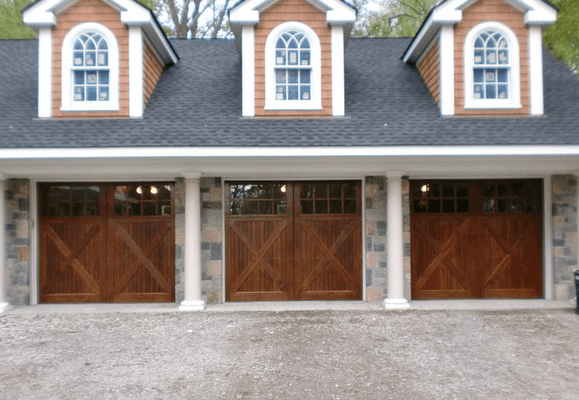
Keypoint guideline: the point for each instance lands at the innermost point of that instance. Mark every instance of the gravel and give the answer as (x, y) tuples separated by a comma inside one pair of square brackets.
[(291, 355)]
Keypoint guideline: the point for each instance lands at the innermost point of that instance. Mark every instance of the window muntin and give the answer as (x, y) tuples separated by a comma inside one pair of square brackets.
[(293, 67), (491, 66), (265, 198), (90, 68)]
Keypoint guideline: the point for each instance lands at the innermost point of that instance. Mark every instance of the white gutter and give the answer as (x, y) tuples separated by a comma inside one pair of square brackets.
[(285, 152)]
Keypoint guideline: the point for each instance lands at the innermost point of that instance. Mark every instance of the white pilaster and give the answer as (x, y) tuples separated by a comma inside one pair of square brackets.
[(45, 72), (4, 306), (192, 277), (447, 70), (136, 81), (536, 66), (395, 241), (548, 238), (338, 102), (248, 71)]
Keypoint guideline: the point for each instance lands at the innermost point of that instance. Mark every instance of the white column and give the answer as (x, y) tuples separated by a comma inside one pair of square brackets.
[(447, 70), (4, 306), (248, 71), (536, 67), (395, 241), (193, 300), (136, 81), (338, 102)]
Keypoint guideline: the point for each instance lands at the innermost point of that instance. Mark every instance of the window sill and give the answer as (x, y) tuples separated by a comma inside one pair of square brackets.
[(492, 105), (293, 106), (86, 107)]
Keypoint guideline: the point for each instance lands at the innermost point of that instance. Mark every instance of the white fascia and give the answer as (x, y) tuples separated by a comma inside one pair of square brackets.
[(273, 152), (247, 13)]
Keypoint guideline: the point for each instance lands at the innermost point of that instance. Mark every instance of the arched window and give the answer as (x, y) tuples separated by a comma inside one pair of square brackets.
[(90, 69), (292, 67), (492, 78), (293, 77)]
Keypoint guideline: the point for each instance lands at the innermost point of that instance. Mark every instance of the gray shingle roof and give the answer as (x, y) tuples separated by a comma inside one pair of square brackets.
[(198, 103)]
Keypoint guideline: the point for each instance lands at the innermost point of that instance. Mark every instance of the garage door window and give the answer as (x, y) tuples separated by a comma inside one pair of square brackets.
[(513, 198), (142, 200), (71, 201), (269, 198), (441, 198), (328, 198)]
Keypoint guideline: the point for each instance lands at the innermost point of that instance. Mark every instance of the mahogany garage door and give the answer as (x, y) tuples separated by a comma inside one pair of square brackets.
[(476, 239), (106, 242), (293, 241)]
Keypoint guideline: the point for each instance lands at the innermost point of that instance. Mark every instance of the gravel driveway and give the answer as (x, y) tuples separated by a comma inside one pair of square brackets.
[(291, 355)]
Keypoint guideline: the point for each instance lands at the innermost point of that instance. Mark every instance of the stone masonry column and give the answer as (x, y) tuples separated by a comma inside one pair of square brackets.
[(395, 242), (192, 276), (4, 306)]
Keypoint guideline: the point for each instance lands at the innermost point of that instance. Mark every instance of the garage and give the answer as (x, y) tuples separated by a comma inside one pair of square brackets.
[(476, 239), (106, 242), (293, 241)]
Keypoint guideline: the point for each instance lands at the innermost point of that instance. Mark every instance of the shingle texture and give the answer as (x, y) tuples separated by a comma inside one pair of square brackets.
[(198, 103)]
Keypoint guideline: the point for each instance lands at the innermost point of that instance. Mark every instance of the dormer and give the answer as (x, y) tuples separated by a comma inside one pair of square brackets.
[(97, 58), (292, 56), (483, 57)]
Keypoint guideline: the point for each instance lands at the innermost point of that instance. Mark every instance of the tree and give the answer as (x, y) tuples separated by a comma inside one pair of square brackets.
[(195, 18), (11, 25), (562, 38), (400, 18)]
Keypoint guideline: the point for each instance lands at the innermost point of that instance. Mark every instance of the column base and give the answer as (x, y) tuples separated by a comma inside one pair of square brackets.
[(4, 307), (396, 304), (192, 305)]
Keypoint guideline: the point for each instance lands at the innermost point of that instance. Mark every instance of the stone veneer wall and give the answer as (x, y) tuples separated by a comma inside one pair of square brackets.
[(17, 214), (564, 201), (212, 240), (375, 191), (179, 200)]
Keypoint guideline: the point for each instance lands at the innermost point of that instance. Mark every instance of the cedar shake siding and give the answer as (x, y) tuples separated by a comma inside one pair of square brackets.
[(483, 11), (98, 12), (284, 11), (152, 72), (429, 68)]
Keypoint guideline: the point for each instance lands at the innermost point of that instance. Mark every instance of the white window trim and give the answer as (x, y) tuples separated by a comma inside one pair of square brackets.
[(315, 103), (68, 104), (514, 100)]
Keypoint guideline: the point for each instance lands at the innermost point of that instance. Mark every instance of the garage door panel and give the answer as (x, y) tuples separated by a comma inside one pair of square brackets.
[(70, 262), (318, 255), (88, 253), (259, 258), (488, 245)]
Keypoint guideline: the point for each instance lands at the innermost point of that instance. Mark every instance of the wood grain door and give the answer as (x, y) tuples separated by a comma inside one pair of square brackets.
[(102, 242), (293, 241), (476, 239), (328, 261)]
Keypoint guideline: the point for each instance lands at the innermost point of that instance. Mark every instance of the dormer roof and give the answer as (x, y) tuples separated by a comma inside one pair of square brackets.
[(44, 13), (449, 12)]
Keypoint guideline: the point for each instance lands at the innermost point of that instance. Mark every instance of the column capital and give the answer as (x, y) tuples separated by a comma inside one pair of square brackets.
[(191, 175), (394, 174), (3, 176)]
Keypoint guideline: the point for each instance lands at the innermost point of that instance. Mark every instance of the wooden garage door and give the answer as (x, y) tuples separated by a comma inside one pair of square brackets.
[(105, 242), (293, 241), (476, 239)]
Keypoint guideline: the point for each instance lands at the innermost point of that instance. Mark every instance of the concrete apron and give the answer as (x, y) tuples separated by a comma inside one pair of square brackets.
[(424, 305)]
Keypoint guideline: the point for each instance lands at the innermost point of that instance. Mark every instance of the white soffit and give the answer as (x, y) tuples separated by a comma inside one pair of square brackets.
[(536, 12)]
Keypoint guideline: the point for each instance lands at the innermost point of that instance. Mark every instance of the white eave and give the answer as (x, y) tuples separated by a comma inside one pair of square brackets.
[(45, 13), (337, 13), (536, 12)]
